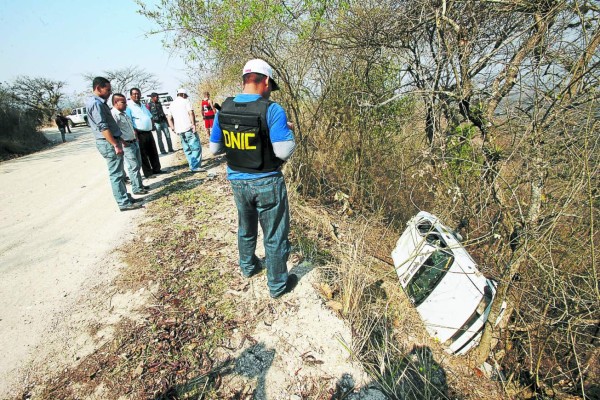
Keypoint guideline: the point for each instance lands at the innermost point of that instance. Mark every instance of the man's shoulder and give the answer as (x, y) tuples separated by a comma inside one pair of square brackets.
[(91, 101), (175, 103), (180, 103), (274, 109), (274, 104)]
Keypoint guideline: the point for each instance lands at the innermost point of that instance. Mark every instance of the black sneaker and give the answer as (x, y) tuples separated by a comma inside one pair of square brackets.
[(131, 206), (145, 187), (290, 285), (143, 191)]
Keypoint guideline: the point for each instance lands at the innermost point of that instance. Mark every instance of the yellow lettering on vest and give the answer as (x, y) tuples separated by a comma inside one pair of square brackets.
[(235, 140), (247, 137), (239, 140)]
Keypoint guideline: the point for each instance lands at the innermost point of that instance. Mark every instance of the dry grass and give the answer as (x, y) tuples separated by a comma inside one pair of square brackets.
[(389, 338)]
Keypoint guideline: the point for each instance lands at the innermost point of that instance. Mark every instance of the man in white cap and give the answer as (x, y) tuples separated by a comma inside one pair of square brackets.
[(182, 121), (257, 139)]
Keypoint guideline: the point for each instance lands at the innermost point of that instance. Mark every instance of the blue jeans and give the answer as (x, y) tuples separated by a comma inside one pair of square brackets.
[(133, 157), (263, 200), (163, 127), (192, 148), (116, 172)]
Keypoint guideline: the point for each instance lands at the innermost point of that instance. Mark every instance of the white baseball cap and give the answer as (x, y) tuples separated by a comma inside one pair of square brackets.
[(260, 67), (181, 91)]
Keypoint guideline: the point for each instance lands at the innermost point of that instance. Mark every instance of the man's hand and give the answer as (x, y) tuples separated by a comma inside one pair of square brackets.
[(118, 149), (290, 125)]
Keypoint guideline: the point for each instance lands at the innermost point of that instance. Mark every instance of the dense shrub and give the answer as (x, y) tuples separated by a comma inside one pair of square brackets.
[(19, 128)]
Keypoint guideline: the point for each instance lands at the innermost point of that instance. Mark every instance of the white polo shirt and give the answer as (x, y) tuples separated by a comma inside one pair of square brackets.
[(180, 109)]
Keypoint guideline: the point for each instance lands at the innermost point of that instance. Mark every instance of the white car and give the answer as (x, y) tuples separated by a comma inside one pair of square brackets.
[(78, 116), (441, 279)]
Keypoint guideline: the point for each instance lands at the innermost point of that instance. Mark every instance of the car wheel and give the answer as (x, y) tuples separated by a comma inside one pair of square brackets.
[(87, 123)]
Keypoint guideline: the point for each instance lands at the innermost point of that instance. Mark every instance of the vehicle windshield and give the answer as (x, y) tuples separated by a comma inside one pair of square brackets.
[(429, 275)]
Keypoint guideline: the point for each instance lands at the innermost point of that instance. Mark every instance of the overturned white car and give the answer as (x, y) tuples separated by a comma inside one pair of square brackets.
[(441, 279)]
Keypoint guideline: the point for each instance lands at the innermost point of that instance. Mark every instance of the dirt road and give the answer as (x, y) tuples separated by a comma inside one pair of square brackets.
[(59, 226)]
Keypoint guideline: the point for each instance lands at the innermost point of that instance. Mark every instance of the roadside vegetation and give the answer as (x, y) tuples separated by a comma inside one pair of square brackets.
[(484, 113), (19, 127)]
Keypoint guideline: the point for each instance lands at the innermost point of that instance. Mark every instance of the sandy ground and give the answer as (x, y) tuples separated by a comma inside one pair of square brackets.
[(59, 228)]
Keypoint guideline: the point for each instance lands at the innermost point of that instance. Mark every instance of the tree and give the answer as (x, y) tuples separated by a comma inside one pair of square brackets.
[(510, 91), (19, 125), (122, 80), (41, 94)]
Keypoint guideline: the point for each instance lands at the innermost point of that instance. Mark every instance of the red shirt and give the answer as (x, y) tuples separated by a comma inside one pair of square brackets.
[(207, 111)]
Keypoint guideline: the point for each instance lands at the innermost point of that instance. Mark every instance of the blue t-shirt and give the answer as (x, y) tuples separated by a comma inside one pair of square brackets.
[(278, 132)]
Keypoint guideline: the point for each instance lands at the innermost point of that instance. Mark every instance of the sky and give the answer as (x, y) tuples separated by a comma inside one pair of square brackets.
[(62, 39)]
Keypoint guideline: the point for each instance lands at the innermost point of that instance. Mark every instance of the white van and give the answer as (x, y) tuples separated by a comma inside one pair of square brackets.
[(78, 116), (443, 282)]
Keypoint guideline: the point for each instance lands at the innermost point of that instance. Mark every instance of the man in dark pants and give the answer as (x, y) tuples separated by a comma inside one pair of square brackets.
[(257, 139), (160, 123), (66, 121), (142, 124), (61, 124)]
